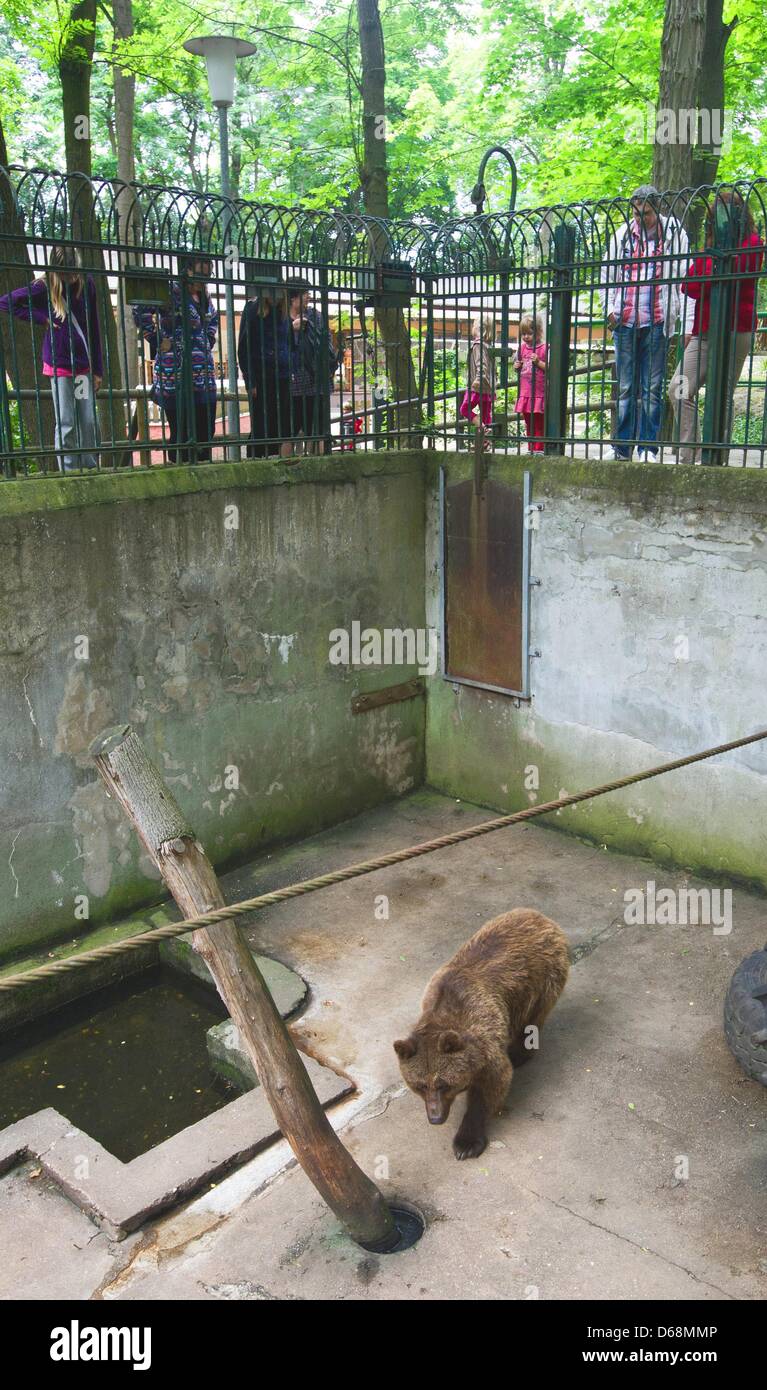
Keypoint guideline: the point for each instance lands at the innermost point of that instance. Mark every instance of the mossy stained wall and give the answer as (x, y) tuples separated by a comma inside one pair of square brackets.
[(195, 604), (651, 622)]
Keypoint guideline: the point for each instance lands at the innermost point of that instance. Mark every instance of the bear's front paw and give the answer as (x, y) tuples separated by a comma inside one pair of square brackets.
[(469, 1145)]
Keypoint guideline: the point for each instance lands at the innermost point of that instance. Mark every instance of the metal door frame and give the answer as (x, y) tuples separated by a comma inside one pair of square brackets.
[(524, 693)]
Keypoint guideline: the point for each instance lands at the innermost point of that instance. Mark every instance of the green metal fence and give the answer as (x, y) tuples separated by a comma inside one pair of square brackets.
[(600, 329)]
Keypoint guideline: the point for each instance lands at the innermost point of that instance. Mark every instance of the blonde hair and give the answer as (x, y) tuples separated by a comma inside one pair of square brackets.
[(63, 260), (531, 323), (484, 327)]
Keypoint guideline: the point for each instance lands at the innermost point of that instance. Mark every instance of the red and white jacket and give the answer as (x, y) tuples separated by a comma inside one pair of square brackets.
[(619, 283)]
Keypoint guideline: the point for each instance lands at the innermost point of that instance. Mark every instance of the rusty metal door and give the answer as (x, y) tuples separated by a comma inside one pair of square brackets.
[(485, 575)]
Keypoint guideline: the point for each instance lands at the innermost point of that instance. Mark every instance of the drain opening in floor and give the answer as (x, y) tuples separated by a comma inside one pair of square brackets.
[(129, 1065)]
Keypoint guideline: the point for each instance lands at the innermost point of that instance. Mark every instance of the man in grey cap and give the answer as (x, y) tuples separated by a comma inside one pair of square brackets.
[(645, 262)]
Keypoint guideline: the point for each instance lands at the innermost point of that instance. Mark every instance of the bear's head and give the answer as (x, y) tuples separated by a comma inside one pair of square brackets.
[(438, 1066)]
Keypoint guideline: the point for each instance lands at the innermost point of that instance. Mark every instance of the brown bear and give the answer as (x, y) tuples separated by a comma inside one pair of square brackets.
[(474, 1014)]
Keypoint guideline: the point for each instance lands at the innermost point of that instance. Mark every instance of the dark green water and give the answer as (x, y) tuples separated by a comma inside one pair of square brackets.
[(129, 1065)]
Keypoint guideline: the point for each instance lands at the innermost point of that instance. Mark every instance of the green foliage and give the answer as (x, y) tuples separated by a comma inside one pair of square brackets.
[(563, 83)]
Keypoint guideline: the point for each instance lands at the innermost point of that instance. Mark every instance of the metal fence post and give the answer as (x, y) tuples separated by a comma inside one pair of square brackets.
[(428, 361), (324, 375), (503, 376), (558, 370), (230, 407), (6, 428), (185, 414)]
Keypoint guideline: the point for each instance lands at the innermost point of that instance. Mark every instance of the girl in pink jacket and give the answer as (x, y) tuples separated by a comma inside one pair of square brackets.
[(530, 362)]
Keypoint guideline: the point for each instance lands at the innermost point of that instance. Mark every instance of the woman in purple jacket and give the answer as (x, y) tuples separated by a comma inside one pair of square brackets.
[(64, 299)]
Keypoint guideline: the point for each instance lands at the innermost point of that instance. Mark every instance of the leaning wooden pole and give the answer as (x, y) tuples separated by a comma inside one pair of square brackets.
[(135, 782)]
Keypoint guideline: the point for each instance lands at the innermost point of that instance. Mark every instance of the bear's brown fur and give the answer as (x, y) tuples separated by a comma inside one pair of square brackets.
[(474, 1013)]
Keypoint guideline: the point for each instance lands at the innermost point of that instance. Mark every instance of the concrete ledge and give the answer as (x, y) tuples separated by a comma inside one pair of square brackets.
[(53, 992), (119, 1197), (26, 496), (644, 484)]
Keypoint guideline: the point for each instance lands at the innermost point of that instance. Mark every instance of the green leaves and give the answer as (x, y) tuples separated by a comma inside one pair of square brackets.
[(563, 84)]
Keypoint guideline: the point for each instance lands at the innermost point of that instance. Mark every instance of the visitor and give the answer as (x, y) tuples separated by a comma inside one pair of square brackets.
[(691, 373), (264, 353), (530, 361), (481, 375), (314, 365), (351, 425), (187, 324), (64, 299), (641, 300)]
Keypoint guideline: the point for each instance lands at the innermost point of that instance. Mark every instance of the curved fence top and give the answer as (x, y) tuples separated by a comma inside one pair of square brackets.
[(52, 206)]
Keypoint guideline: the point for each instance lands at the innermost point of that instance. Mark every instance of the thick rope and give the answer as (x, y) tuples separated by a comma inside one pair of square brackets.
[(368, 866)]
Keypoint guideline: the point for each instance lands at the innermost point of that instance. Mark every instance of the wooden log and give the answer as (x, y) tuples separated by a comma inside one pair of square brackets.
[(132, 778)]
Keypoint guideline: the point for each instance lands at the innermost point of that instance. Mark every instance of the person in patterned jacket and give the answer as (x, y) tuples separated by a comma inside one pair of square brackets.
[(169, 338)]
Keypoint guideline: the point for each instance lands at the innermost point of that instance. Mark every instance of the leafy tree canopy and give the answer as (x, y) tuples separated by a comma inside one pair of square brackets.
[(564, 84)]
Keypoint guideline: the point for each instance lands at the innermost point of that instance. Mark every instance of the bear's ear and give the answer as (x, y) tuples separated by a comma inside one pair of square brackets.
[(405, 1047), (450, 1041)]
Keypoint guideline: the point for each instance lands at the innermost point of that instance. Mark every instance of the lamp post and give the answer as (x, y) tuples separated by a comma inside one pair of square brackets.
[(221, 53)]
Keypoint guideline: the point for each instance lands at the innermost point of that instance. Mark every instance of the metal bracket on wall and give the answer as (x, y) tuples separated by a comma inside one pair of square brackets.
[(389, 695)]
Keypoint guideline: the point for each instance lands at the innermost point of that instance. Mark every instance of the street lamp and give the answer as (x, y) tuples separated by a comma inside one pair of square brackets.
[(221, 53)]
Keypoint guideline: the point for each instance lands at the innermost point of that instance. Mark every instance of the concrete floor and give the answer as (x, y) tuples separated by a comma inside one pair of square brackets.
[(576, 1196)]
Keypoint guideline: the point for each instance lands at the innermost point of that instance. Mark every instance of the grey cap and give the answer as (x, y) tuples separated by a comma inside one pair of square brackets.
[(646, 193)]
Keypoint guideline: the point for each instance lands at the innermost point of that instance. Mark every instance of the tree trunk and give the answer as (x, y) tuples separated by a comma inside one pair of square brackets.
[(127, 212), (691, 95), (75, 66), (374, 181), (712, 90), (21, 343), (192, 155)]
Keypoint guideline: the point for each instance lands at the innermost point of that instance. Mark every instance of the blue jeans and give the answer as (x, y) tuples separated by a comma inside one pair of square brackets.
[(640, 366)]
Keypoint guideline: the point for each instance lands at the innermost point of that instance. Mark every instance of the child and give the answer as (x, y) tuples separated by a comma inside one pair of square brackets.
[(481, 365), (530, 362), (351, 426), (168, 337), (64, 299)]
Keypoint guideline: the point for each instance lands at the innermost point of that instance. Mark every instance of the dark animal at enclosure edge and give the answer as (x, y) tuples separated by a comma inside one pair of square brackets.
[(503, 981)]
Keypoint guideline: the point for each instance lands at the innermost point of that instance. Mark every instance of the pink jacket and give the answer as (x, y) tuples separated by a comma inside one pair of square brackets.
[(532, 380)]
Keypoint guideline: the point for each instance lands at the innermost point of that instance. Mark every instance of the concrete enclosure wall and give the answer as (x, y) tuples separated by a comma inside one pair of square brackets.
[(195, 604), (651, 621)]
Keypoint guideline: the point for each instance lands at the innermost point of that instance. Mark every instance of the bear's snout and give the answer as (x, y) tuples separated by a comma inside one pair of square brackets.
[(437, 1110)]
